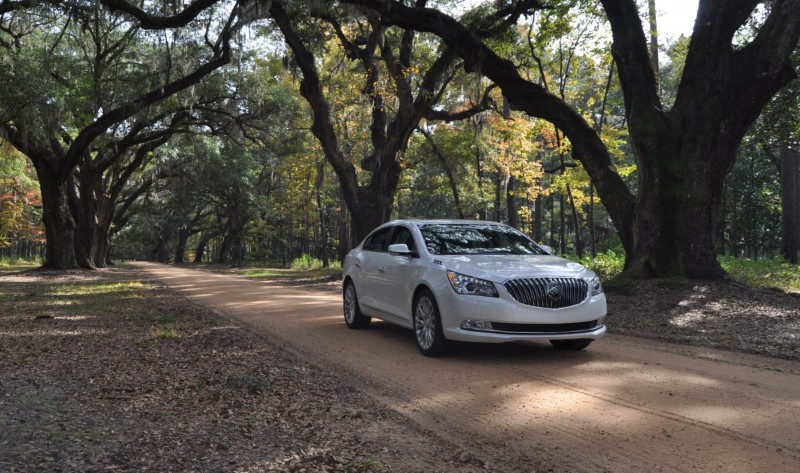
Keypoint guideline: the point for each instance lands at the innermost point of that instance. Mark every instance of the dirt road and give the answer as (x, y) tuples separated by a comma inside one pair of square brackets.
[(623, 405)]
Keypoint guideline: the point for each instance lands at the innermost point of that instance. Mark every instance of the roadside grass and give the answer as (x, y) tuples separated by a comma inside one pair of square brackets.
[(290, 274), (764, 273), (761, 273), (15, 265), (274, 272), (76, 304)]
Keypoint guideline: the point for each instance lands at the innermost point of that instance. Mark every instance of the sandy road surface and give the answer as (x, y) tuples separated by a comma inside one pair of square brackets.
[(623, 405)]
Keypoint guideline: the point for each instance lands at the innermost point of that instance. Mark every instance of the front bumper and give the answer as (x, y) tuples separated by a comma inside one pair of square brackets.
[(513, 321)]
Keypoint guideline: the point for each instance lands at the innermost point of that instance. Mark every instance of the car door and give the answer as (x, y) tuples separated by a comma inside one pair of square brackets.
[(372, 263), (398, 276)]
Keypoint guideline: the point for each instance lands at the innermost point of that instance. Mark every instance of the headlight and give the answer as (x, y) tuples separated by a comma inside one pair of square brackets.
[(597, 288), (468, 285)]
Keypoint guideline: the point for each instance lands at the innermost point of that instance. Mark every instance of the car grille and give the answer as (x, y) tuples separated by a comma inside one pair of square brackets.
[(545, 328), (550, 293)]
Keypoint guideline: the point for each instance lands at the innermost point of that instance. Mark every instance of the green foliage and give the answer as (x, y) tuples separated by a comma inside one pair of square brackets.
[(19, 263), (762, 272), (165, 333), (306, 262), (20, 203), (334, 270), (606, 265), (364, 465)]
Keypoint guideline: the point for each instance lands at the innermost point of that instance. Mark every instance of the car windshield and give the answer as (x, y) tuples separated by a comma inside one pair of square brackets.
[(476, 239)]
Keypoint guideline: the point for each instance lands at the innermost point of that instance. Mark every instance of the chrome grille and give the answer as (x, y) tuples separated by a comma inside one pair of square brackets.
[(550, 293)]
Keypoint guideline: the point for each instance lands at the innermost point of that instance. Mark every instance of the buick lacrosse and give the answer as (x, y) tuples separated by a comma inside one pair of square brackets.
[(471, 281)]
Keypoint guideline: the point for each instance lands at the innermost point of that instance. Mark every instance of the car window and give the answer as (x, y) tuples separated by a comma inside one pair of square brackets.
[(478, 238), (379, 240), (403, 235)]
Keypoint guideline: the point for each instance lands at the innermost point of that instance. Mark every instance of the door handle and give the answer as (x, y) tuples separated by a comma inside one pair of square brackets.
[(382, 269)]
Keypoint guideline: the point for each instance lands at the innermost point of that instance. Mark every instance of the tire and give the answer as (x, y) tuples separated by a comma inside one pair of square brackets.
[(571, 345), (428, 326), (352, 312)]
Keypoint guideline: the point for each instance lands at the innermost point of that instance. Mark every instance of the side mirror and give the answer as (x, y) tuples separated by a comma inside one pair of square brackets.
[(401, 249), (546, 248)]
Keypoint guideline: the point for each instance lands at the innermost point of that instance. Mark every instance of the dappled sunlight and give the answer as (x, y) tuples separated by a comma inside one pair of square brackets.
[(639, 403), (88, 289), (52, 332), (220, 328), (549, 413), (689, 318), (72, 317)]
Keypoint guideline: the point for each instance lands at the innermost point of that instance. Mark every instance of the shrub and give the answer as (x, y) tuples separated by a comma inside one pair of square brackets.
[(606, 265), (306, 263)]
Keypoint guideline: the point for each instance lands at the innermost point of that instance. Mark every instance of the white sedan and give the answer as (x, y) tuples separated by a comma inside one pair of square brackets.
[(471, 281)]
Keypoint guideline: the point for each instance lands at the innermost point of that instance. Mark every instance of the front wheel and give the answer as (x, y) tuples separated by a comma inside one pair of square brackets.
[(428, 326), (571, 345), (352, 312)]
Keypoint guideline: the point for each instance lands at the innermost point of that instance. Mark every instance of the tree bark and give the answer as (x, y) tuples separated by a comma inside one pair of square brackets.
[(652, 17), (59, 223), (789, 162), (576, 224), (511, 202), (538, 212)]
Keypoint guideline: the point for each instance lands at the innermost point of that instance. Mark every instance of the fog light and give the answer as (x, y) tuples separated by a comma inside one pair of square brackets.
[(476, 325)]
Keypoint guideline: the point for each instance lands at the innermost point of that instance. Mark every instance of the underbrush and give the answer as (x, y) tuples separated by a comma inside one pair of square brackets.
[(18, 263), (773, 273), (606, 265), (763, 273)]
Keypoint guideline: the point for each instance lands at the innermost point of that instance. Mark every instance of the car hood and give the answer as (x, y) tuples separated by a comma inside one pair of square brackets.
[(499, 268)]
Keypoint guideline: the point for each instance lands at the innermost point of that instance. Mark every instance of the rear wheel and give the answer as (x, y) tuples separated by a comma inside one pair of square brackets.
[(571, 345), (352, 312), (428, 326)]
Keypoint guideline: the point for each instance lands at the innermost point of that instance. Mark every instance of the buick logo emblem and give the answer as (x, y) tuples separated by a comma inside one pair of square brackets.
[(553, 290)]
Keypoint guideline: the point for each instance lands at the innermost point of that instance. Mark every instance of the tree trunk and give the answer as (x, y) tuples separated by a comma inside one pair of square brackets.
[(576, 224), (677, 217), (344, 233), (448, 170), (86, 232), (375, 202), (511, 202), (59, 223), (184, 232), (224, 250), (789, 162), (538, 218), (592, 230), (652, 15)]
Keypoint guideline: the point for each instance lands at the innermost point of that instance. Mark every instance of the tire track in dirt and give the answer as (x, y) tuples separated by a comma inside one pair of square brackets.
[(623, 405)]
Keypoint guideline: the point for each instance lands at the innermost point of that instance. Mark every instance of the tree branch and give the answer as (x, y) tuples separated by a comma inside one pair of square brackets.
[(155, 22), (533, 99)]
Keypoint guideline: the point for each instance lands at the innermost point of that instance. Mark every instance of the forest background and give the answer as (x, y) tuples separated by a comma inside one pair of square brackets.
[(271, 132)]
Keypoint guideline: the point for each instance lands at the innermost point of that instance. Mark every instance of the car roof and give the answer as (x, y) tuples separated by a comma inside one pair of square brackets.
[(419, 221)]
